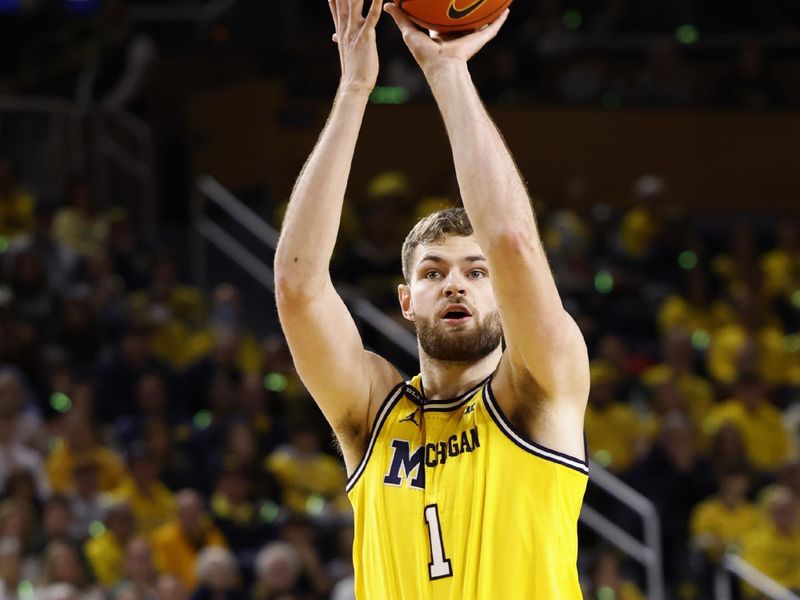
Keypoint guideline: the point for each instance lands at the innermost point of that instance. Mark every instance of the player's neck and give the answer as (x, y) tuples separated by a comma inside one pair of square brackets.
[(443, 379)]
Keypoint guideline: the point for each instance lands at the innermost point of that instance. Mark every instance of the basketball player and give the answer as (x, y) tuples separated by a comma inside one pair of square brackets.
[(467, 480)]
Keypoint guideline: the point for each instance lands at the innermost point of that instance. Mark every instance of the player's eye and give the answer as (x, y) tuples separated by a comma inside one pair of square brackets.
[(477, 274), (432, 274)]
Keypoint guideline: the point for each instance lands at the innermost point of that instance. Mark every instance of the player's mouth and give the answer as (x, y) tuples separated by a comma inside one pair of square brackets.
[(455, 314)]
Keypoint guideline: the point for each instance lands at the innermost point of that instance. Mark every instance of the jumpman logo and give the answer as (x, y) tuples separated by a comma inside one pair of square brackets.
[(412, 417)]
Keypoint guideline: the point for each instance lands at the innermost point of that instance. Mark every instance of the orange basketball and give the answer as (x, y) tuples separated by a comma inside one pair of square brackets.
[(453, 15)]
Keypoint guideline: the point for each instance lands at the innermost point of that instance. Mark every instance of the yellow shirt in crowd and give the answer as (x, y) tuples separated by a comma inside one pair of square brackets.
[(151, 509), (774, 554), (174, 553), (727, 526), (302, 478), (613, 434), (765, 438), (106, 557), (16, 214), (62, 459)]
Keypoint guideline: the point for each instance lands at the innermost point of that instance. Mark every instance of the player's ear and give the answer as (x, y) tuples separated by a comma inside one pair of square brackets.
[(404, 295)]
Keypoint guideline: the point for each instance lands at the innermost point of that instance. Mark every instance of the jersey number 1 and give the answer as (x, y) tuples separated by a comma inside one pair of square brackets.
[(440, 565)]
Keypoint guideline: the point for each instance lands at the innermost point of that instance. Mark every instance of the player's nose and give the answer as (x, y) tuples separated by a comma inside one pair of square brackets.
[(455, 284)]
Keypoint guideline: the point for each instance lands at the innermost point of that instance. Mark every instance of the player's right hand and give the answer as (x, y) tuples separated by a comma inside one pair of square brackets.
[(355, 38)]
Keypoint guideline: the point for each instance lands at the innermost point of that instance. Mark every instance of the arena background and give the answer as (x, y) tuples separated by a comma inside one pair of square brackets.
[(154, 440)]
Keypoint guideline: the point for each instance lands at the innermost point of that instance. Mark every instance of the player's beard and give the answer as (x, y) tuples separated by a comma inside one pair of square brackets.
[(467, 345)]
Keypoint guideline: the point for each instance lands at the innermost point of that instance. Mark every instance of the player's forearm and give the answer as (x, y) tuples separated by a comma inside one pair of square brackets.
[(492, 188), (312, 219)]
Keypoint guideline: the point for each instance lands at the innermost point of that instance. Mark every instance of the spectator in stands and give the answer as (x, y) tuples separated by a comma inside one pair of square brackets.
[(256, 407), (18, 521), (721, 521), (15, 455), (278, 568), (641, 227), (16, 398), (218, 576), (788, 477), (80, 443), (312, 481), (774, 548), (781, 264), (10, 567), (243, 449), (752, 85), (677, 367), (85, 496), (118, 374), (16, 204), (154, 402), (608, 581), (341, 566), (108, 292), (614, 431), (299, 532), (170, 588), (693, 307), (674, 478), (183, 302), (178, 543), (150, 501), (57, 523), (226, 315), (139, 572), (129, 258), (759, 422), (753, 342), (80, 225), (210, 382), (60, 262), (62, 566), (76, 333), (106, 552), (34, 297), (235, 510)]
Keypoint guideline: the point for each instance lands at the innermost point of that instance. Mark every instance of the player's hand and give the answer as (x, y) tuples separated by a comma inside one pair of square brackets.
[(355, 37), (432, 50)]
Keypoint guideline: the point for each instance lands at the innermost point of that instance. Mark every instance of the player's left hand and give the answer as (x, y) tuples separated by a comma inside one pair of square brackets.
[(433, 50), (355, 38)]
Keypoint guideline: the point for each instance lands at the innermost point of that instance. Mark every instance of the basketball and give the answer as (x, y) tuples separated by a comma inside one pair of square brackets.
[(453, 15)]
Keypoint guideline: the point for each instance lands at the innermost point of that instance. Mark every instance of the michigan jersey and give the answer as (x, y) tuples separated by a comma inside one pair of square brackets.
[(451, 502)]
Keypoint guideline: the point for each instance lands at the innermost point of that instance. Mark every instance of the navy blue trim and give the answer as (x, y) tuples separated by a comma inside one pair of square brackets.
[(384, 411), (418, 397), (527, 444)]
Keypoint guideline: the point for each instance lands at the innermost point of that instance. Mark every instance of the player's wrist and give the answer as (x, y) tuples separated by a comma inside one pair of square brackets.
[(355, 88), (445, 70)]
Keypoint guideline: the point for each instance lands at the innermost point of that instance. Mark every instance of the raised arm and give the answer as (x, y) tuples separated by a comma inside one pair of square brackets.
[(544, 345), (344, 379)]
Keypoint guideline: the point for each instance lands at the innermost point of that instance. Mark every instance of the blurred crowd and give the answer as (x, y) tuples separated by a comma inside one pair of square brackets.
[(151, 446)]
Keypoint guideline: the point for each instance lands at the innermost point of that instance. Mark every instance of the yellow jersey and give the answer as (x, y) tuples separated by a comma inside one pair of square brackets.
[(451, 502)]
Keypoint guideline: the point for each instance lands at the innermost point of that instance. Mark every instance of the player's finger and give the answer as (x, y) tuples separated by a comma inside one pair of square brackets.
[(374, 13), (345, 13), (334, 12), (492, 28), (400, 17)]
